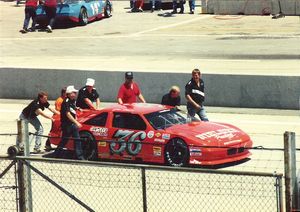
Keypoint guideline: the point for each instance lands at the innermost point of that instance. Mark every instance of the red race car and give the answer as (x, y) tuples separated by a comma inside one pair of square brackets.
[(153, 133)]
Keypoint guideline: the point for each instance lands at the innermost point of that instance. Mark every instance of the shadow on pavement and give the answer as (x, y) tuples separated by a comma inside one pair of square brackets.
[(166, 15)]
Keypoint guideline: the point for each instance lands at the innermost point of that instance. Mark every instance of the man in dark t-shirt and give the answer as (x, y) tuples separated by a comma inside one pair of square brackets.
[(30, 113), (172, 98), (194, 92), (87, 95), (69, 125)]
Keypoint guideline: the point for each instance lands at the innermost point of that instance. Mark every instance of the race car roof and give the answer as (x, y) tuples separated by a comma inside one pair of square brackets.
[(141, 108)]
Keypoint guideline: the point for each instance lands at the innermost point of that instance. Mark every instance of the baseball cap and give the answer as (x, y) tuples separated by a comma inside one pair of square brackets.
[(71, 89), (90, 82), (129, 75)]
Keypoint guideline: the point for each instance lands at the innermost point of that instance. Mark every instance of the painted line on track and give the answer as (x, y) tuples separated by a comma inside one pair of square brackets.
[(138, 34), (170, 25)]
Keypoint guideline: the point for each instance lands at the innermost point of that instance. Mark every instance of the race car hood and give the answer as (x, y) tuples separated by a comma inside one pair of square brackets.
[(210, 133)]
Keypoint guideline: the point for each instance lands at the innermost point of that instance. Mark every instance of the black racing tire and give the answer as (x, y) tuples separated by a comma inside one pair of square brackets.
[(89, 145), (108, 10), (176, 153), (83, 17)]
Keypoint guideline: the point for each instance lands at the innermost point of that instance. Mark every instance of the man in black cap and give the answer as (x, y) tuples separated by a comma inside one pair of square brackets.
[(129, 90)]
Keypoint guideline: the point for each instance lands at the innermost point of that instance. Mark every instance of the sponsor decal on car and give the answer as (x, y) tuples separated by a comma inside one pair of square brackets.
[(102, 144), (157, 151), (218, 134), (150, 134), (157, 135), (159, 140), (166, 136), (99, 131), (195, 151), (194, 161)]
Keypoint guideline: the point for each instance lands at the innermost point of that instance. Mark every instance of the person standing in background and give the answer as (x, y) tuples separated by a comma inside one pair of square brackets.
[(129, 91), (30, 12), (87, 95), (194, 92)]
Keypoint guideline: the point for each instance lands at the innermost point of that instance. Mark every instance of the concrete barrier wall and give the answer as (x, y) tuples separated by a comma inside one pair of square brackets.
[(251, 7), (282, 92)]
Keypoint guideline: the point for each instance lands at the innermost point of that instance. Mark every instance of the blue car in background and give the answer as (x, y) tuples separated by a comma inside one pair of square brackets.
[(79, 11)]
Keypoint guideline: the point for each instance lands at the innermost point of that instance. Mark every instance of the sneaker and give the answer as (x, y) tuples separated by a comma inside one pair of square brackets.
[(48, 148), (192, 12), (23, 31), (36, 151), (181, 12), (174, 12), (49, 29), (31, 29), (81, 158)]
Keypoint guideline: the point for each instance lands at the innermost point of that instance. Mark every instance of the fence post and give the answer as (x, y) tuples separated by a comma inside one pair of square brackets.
[(144, 188), (290, 171), (278, 185), (21, 186), (24, 174)]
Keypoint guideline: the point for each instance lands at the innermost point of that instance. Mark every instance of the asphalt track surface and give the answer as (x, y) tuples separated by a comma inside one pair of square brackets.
[(156, 42), (265, 127)]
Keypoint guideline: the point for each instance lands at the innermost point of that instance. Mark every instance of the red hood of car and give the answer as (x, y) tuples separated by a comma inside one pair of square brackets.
[(210, 133)]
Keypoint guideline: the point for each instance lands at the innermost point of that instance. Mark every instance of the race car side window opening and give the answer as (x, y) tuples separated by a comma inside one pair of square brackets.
[(164, 119), (128, 121), (99, 120)]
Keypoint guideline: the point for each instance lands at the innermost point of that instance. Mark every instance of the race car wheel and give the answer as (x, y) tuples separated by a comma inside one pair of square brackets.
[(89, 145), (107, 10), (83, 17), (176, 153)]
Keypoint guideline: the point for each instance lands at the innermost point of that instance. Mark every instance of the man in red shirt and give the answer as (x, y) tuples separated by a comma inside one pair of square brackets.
[(30, 12), (50, 9), (129, 90)]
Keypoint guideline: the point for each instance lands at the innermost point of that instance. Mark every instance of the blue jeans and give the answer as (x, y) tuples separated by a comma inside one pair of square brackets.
[(29, 13), (201, 113), (179, 4), (70, 131), (192, 5), (158, 4), (35, 122)]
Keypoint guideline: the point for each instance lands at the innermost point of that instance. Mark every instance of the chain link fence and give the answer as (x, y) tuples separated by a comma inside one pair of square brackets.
[(8, 185), (59, 184), (56, 185)]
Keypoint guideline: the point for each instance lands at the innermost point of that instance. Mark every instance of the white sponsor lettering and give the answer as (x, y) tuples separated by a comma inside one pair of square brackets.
[(194, 161), (218, 134), (159, 140), (99, 131)]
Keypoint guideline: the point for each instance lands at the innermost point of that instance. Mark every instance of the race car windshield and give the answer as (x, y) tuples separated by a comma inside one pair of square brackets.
[(166, 118)]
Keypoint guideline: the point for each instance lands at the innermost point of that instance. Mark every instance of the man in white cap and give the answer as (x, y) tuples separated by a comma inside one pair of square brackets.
[(87, 95), (69, 125)]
